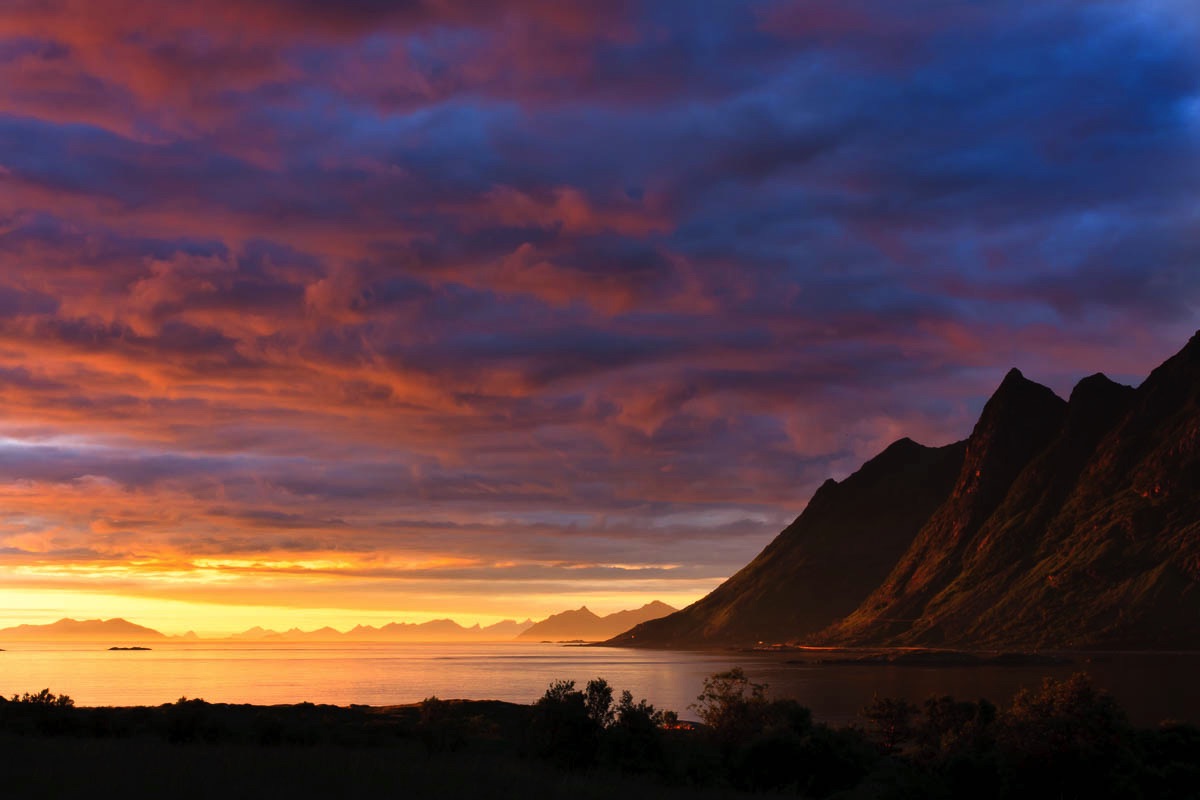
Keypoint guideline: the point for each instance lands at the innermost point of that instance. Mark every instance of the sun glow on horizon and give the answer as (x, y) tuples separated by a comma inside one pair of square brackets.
[(175, 617)]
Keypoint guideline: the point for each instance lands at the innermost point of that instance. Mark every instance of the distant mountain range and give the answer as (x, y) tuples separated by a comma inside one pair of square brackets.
[(569, 625), (438, 630), (1056, 524), (584, 625)]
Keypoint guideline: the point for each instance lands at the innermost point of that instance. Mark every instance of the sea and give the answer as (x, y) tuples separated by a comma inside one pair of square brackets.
[(1152, 687)]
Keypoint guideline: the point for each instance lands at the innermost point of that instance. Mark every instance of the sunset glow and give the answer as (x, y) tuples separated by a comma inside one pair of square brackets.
[(338, 313)]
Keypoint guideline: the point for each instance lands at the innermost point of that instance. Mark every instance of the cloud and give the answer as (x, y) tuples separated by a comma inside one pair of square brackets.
[(548, 287)]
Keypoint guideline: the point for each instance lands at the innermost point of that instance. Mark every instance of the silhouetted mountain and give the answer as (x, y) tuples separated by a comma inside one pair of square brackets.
[(582, 624), (77, 630), (966, 609), (254, 634), (1017, 422), (1117, 563), (826, 562), (506, 629), (1069, 524), (438, 630)]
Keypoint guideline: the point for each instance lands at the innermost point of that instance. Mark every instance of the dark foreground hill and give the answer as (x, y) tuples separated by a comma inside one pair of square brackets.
[(1054, 525)]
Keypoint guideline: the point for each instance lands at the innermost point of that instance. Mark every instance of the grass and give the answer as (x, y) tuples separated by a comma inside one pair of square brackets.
[(63, 767)]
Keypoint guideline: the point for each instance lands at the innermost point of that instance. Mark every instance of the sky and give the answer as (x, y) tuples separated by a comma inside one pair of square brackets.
[(335, 313)]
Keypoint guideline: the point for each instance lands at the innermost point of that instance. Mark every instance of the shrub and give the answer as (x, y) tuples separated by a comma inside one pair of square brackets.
[(561, 728), (890, 722), (44, 698), (633, 742), (192, 720), (731, 704), (1068, 739), (597, 698), (440, 729), (43, 713), (831, 760)]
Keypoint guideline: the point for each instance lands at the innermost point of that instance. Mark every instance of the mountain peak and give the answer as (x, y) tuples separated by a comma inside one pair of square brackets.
[(1097, 382), (1015, 383), (1020, 404), (653, 604), (587, 625), (902, 448), (1178, 376), (1054, 525), (68, 629), (1096, 394)]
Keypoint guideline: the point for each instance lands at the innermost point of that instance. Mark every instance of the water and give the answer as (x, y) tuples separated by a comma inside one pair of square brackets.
[(1152, 687)]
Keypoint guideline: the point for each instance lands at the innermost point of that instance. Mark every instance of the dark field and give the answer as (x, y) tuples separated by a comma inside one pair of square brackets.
[(1067, 740), (38, 767)]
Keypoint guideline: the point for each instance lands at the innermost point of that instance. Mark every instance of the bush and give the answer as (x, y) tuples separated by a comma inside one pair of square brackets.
[(731, 705), (831, 760), (890, 722), (633, 741), (1068, 740), (598, 699), (440, 729), (581, 728), (773, 744), (44, 713), (194, 720), (45, 698), (561, 728), (1171, 755)]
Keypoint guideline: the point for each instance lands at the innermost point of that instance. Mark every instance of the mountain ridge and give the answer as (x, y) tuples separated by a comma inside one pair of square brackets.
[(582, 624), (438, 630), (68, 629), (1070, 524), (788, 585)]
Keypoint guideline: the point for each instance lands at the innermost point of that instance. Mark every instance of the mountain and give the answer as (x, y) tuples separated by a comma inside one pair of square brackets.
[(582, 624), (254, 634), (1064, 524), (438, 630), (961, 604), (826, 562), (75, 630), (1019, 420), (506, 630)]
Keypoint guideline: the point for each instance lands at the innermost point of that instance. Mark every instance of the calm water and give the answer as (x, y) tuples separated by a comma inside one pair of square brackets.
[(1151, 686)]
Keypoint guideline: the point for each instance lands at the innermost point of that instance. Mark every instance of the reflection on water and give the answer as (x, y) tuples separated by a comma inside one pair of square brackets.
[(1151, 686)]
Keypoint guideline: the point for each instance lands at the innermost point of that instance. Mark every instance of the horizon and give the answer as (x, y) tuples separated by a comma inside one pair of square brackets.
[(288, 620), (281, 629), (320, 315)]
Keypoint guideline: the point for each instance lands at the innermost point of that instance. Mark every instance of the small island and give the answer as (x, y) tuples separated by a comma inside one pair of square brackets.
[(128, 648)]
